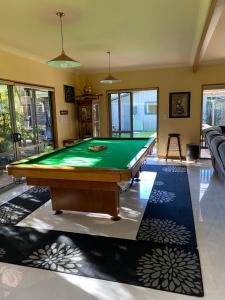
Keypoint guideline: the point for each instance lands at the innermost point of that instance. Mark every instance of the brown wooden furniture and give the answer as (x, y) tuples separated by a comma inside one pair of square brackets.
[(177, 136), (89, 115), (80, 188)]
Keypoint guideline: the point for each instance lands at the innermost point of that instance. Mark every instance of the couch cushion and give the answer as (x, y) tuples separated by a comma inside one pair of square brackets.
[(215, 143), (205, 131), (221, 150), (218, 128), (210, 135)]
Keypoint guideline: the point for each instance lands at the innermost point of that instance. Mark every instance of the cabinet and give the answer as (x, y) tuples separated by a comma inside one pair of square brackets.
[(89, 115)]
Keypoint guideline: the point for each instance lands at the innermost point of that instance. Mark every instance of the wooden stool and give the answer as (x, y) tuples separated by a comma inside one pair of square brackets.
[(177, 136)]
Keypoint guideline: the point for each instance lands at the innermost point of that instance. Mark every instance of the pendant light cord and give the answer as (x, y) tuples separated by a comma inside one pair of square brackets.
[(109, 62), (61, 32), (60, 15)]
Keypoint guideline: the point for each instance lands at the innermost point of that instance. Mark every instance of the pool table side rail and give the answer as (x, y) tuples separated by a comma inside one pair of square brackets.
[(81, 173), (71, 173), (49, 153)]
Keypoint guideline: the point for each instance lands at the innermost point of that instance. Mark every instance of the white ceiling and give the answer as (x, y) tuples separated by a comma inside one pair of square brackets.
[(139, 33)]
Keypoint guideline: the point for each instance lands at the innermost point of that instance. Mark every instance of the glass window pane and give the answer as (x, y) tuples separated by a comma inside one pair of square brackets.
[(44, 120), (213, 108), (5, 121), (6, 144), (145, 113), (115, 111), (25, 121), (125, 111)]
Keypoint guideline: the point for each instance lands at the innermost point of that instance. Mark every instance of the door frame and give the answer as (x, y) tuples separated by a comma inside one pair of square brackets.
[(211, 86), (131, 90), (119, 112)]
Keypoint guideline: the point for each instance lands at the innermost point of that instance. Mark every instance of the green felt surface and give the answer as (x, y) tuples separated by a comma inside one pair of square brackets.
[(117, 155)]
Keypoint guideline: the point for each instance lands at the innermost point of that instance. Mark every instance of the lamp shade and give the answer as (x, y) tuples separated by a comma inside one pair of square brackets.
[(63, 61), (110, 79)]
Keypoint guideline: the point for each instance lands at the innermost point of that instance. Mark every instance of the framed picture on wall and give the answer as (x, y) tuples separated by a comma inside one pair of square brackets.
[(179, 105), (69, 92)]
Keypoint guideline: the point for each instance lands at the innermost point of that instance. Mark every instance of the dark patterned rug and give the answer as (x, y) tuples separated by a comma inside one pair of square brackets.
[(168, 268), (18, 208), (168, 216), (152, 261)]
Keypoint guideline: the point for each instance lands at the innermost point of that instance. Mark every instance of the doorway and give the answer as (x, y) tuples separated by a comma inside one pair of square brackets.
[(133, 113), (213, 111)]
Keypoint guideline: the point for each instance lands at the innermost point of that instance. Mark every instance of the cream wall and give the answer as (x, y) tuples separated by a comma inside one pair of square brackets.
[(16, 68), (167, 80)]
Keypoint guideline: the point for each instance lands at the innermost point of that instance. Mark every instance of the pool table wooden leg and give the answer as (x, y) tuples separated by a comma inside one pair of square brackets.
[(115, 218), (136, 177)]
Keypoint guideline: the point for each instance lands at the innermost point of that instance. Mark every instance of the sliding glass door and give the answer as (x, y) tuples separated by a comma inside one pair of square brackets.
[(33, 116), (44, 122), (133, 113), (121, 114), (145, 113), (7, 153), (25, 119), (25, 125)]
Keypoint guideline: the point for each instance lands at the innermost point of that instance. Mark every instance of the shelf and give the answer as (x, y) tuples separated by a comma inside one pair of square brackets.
[(88, 114), (88, 97)]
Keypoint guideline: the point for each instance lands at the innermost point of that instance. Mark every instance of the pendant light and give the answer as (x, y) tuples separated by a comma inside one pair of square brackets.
[(110, 78), (63, 60)]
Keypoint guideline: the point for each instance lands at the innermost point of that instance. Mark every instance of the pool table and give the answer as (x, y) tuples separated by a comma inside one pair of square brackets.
[(85, 180)]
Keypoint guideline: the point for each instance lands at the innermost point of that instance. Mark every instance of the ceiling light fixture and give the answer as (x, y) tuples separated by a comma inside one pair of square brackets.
[(110, 78), (63, 60)]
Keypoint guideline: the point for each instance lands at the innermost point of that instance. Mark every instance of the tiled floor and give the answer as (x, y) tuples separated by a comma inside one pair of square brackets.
[(208, 198), (205, 153), (5, 179)]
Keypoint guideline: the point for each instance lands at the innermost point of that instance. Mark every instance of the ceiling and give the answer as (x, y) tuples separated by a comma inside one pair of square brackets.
[(215, 52), (140, 34)]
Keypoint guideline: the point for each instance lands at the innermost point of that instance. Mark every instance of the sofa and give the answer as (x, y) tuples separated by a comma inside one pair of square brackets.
[(215, 140)]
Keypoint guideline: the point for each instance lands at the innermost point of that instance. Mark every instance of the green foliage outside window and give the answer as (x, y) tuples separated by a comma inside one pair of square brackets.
[(5, 123)]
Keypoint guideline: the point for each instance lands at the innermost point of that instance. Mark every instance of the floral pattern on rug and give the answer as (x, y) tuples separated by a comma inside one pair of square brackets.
[(172, 270), (158, 183), (39, 189), (12, 214), (174, 169), (163, 231), (161, 196), (56, 257)]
